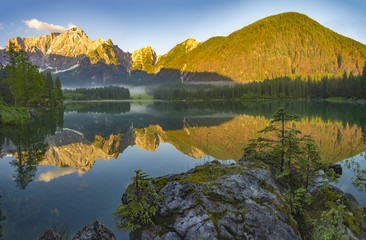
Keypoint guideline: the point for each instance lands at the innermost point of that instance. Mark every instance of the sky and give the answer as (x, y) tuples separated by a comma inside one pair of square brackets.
[(161, 24)]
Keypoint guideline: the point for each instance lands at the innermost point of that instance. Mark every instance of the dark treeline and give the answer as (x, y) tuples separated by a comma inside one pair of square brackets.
[(110, 92), (349, 86), (21, 83)]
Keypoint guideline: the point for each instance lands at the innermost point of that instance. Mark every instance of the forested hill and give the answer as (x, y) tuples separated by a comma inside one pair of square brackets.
[(287, 44)]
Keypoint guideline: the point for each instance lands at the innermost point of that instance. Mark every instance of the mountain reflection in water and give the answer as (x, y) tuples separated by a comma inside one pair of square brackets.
[(54, 158), (103, 130)]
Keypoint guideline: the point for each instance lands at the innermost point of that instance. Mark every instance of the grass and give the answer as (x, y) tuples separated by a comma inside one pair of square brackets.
[(13, 115), (141, 97), (335, 100)]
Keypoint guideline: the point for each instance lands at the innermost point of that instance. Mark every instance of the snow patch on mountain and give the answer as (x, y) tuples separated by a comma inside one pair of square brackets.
[(65, 70)]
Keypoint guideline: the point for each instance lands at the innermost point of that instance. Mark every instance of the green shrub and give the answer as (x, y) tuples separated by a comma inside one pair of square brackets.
[(141, 206)]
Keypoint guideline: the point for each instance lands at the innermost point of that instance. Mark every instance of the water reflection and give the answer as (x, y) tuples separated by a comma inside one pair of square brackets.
[(27, 143), (81, 157), (356, 168), (353, 179), (99, 107), (50, 175), (219, 129), (30, 149), (103, 130)]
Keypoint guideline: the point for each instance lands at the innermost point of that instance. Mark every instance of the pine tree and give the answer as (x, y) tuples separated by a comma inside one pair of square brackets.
[(59, 95), (292, 152), (141, 206), (278, 130), (25, 82), (48, 88), (311, 163)]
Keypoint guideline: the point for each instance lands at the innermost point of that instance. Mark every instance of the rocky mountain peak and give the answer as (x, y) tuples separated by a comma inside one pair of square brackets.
[(72, 52), (71, 43), (76, 30), (143, 59), (109, 42)]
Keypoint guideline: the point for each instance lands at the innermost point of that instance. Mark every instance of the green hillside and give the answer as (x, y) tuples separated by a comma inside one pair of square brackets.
[(287, 44), (176, 57)]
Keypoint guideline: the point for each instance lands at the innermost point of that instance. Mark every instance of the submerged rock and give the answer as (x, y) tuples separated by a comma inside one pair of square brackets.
[(215, 201), (50, 234), (95, 231)]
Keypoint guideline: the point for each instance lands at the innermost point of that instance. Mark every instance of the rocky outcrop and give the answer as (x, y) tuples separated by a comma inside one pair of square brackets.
[(240, 201), (216, 201), (354, 216)]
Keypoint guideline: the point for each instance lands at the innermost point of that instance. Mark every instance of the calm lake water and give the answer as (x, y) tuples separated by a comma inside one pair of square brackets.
[(71, 165)]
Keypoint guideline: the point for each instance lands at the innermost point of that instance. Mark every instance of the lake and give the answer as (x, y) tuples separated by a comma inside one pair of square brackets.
[(70, 166)]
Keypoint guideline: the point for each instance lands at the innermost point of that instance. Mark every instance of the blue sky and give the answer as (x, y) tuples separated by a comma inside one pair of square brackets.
[(133, 24)]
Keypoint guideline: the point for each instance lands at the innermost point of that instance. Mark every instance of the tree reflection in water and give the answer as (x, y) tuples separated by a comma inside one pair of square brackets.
[(29, 143), (358, 167), (30, 150)]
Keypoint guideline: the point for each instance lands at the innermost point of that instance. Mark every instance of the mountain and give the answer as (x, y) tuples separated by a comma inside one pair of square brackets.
[(178, 53), (74, 57), (287, 44), (143, 59), (290, 44)]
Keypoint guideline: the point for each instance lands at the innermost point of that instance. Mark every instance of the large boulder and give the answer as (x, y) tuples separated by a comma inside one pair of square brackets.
[(216, 201)]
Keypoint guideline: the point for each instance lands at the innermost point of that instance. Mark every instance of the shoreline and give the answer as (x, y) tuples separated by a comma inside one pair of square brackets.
[(348, 101)]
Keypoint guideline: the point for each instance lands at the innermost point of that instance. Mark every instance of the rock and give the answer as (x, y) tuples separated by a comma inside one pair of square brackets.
[(176, 197), (336, 167), (124, 198), (351, 208), (194, 223), (50, 234), (32, 113), (154, 233), (95, 231), (346, 198), (216, 201)]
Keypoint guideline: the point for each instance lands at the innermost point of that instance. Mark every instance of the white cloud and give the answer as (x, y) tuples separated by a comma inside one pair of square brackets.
[(1, 48), (1, 26), (36, 24)]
